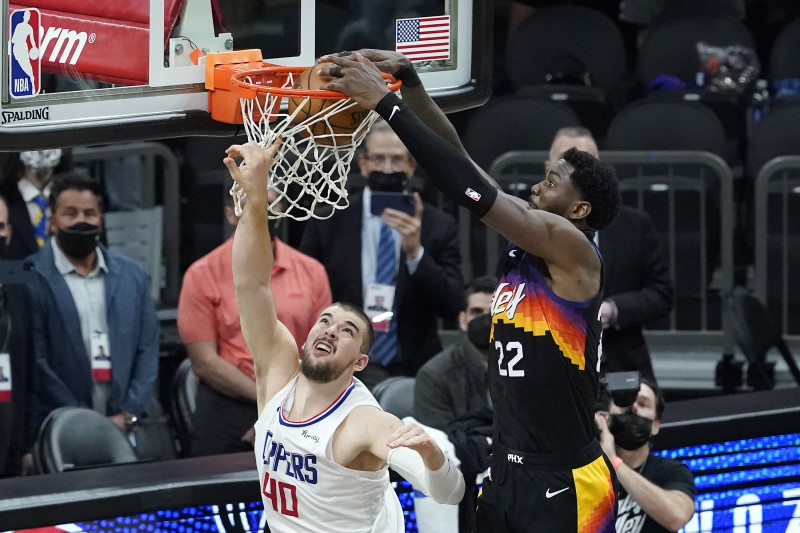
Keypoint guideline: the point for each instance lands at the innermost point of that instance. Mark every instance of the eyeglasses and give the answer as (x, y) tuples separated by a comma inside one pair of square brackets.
[(382, 159)]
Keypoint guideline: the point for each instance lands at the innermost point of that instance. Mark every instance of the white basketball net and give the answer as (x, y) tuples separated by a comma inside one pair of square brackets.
[(309, 171)]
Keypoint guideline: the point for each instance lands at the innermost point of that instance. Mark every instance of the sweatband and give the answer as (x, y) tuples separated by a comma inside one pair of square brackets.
[(445, 485), (450, 170)]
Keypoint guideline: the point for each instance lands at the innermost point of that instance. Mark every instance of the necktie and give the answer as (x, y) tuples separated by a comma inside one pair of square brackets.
[(385, 347), (40, 220)]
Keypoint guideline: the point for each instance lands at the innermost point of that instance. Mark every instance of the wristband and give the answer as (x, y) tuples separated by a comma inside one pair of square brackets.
[(408, 75), (616, 462)]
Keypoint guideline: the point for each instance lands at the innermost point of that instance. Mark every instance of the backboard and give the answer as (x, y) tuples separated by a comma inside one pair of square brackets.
[(80, 72)]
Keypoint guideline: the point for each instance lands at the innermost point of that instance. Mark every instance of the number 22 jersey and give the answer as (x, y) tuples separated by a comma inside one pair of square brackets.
[(543, 360), (303, 488)]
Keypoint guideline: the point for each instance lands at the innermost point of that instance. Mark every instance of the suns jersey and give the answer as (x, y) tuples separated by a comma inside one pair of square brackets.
[(302, 488), (543, 361)]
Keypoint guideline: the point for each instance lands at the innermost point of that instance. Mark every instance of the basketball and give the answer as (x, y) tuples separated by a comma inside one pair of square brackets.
[(34, 53), (342, 123)]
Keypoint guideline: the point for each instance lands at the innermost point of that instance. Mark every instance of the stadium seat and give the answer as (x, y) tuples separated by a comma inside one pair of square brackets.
[(396, 395), (783, 63), (514, 123), (182, 404), (545, 60), (76, 437), (775, 135), (666, 125)]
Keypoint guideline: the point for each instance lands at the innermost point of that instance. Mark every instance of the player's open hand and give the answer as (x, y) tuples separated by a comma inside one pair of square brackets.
[(387, 61), (252, 174), (358, 78), (414, 437), (409, 227), (606, 438)]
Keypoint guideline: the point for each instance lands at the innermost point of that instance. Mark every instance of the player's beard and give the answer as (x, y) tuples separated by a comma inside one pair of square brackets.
[(320, 371)]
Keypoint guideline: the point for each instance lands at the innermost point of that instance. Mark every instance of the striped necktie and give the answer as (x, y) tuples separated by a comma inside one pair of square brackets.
[(385, 347), (40, 220)]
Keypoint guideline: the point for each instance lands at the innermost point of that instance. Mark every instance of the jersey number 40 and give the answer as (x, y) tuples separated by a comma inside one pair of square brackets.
[(282, 495)]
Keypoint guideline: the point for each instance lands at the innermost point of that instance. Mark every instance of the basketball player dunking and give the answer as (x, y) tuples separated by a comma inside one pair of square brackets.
[(548, 472), (323, 444)]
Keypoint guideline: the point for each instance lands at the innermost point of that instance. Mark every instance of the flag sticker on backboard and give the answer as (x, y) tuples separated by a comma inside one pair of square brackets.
[(424, 39), (24, 53)]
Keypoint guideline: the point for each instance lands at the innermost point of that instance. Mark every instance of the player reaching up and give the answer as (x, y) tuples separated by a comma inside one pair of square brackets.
[(548, 472), (323, 444)]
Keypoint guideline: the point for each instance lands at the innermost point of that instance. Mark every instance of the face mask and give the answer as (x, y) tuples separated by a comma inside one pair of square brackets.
[(383, 182), (3, 246), (478, 331), (41, 159), (630, 430), (78, 240)]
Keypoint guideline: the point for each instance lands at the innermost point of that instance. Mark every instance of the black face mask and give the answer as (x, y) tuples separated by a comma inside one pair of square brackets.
[(3, 246), (478, 331), (386, 182), (78, 240), (630, 430)]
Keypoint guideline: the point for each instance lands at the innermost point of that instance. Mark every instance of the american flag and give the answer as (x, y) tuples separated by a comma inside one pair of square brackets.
[(424, 39)]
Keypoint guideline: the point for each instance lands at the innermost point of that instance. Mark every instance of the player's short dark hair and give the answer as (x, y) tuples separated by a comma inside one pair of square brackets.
[(597, 183), (486, 284), (72, 181), (369, 335)]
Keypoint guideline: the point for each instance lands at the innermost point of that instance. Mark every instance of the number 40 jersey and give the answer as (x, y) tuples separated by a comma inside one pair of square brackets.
[(303, 489)]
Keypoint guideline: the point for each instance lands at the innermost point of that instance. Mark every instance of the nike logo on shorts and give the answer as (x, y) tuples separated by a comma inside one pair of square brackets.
[(556, 493), (395, 109)]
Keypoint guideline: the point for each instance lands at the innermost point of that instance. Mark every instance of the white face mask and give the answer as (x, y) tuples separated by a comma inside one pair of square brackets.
[(41, 159)]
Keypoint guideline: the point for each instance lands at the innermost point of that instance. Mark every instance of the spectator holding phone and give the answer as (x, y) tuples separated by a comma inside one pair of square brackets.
[(410, 261)]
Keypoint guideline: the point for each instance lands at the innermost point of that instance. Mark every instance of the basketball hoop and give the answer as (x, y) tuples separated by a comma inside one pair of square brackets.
[(309, 172)]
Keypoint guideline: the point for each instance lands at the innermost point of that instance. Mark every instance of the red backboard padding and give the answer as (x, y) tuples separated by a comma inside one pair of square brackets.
[(100, 41)]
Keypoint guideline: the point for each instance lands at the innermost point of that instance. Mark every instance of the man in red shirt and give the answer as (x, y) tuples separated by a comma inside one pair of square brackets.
[(208, 322)]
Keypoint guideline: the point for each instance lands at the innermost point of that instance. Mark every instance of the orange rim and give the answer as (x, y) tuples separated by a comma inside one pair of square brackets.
[(250, 90)]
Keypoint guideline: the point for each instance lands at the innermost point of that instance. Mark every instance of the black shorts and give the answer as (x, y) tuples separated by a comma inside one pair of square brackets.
[(558, 493)]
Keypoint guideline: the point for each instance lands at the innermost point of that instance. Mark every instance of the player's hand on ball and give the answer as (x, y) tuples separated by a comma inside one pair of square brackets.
[(252, 174), (387, 61), (357, 78), (414, 437)]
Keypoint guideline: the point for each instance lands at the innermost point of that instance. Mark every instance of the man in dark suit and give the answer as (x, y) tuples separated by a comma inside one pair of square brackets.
[(428, 280), (638, 287), (101, 298)]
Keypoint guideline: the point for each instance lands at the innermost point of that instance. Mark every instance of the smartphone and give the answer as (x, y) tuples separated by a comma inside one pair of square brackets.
[(394, 200)]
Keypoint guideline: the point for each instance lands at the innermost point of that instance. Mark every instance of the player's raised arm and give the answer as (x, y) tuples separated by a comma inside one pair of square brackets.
[(273, 348), (414, 95), (548, 236)]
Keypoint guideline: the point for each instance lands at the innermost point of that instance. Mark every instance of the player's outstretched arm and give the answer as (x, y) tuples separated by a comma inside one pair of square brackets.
[(551, 237), (409, 451), (274, 350), (414, 94)]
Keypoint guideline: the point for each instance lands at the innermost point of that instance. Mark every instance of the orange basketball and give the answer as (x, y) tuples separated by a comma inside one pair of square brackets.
[(340, 125)]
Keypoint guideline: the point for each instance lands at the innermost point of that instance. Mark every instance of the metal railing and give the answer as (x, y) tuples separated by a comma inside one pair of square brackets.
[(777, 240), (157, 160)]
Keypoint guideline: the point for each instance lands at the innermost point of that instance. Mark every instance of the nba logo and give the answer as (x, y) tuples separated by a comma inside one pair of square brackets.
[(24, 48)]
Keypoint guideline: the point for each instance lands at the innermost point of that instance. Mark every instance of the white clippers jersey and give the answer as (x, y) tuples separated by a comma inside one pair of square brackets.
[(303, 489)]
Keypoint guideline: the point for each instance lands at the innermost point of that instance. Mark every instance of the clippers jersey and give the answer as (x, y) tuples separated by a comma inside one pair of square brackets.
[(543, 368), (303, 488)]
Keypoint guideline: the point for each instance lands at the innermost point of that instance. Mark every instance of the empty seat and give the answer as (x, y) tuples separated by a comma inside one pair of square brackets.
[(182, 404), (396, 395), (775, 135), (667, 125), (76, 437), (572, 54), (783, 63), (514, 123)]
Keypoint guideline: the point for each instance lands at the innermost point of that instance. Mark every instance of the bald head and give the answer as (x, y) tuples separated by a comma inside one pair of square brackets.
[(566, 138)]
